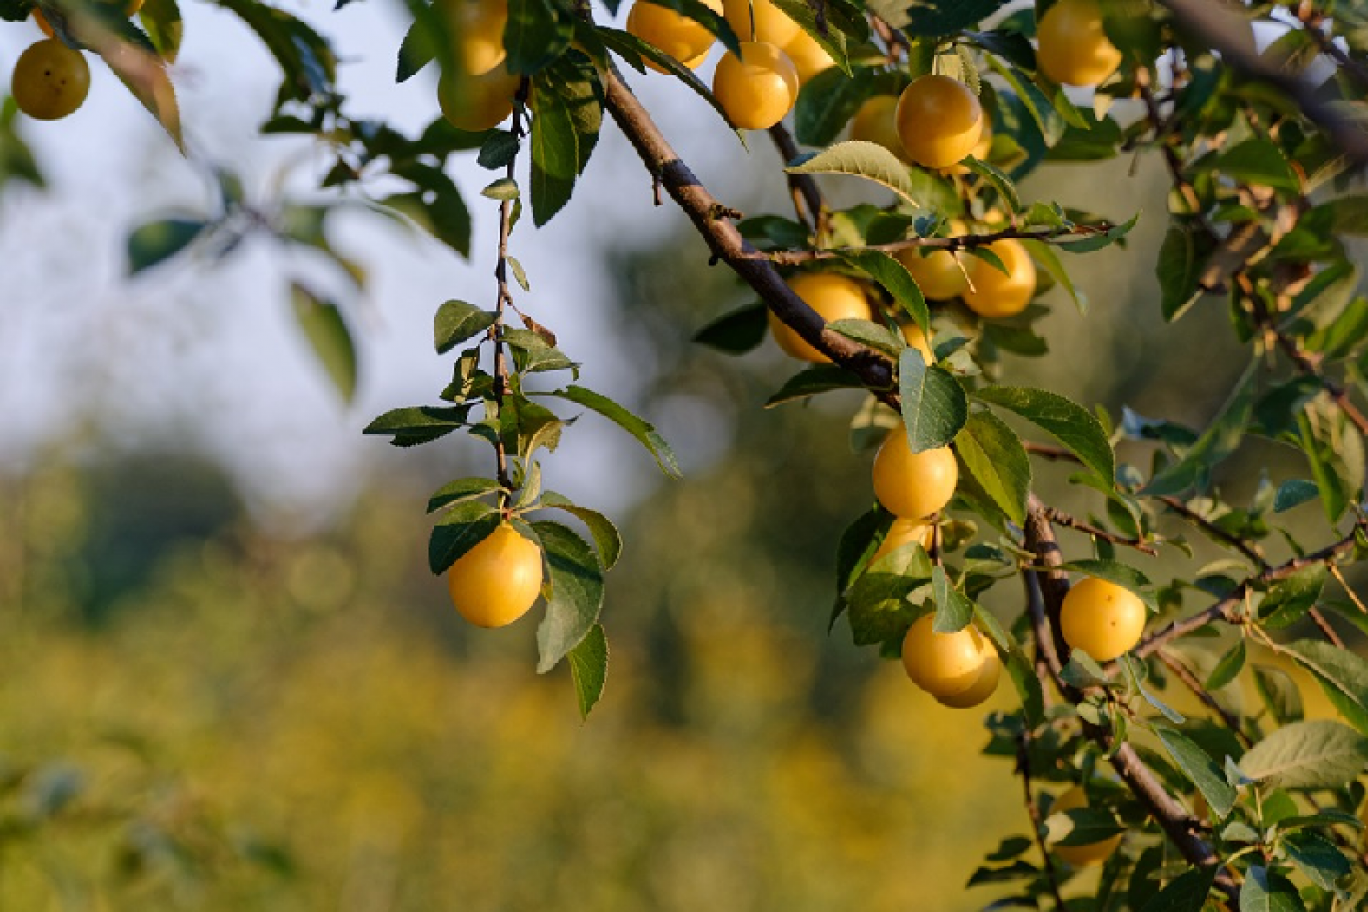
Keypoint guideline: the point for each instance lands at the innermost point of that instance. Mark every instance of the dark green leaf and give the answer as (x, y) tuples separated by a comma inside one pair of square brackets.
[(934, 405), (894, 277), (1258, 161), (1294, 493), (419, 424), (555, 155), (1317, 857), (1279, 693), (606, 536), (1069, 423), (826, 103), (589, 668), (1288, 600), (1268, 891), (575, 596), (812, 381), (460, 490), (1228, 668), (857, 543), (936, 19), (1198, 766), (1343, 676), (305, 57), (538, 32), (737, 332), (641, 430), (161, 19), (461, 528), (1221, 438), (1187, 893), (1045, 255), (457, 321), (954, 610), (994, 455), (328, 336), (154, 242)]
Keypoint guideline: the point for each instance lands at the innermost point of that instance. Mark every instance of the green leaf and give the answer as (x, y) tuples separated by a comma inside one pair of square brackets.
[(1290, 599), (857, 158), (555, 155), (1334, 450), (1279, 693), (461, 528), (1221, 438), (416, 51), (575, 596), (1258, 161), (1228, 668), (936, 19), (1045, 255), (461, 490), (1041, 110), (161, 19), (589, 668), (644, 433), (1294, 493), (536, 34), (457, 321), (1341, 674), (606, 536), (632, 49), (826, 103), (994, 455), (893, 276), (812, 381), (307, 62), (1317, 857), (1072, 425), (1268, 891), (154, 242), (1318, 754), (414, 425), (737, 332), (999, 180), (934, 405), (854, 549), (1187, 893), (1081, 826), (954, 610), (1198, 766), (328, 336)]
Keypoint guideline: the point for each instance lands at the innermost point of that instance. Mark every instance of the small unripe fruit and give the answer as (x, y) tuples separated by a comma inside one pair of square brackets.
[(1102, 619), (1089, 853), (496, 582), (939, 121), (991, 293), (913, 485), (758, 88), (833, 296), (1074, 48)]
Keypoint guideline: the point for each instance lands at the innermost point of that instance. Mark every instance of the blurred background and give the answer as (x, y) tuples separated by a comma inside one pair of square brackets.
[(230, 681)]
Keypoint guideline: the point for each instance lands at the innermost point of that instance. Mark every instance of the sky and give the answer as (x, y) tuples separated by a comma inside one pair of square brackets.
[(210, 350)]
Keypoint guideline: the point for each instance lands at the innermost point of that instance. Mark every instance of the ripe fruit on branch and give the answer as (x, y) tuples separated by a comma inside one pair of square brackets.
[(833, 296), (771, 23), (677, 35), (938, 273), (939, 121), (50, 80), (1089, 853), (495, 583), (758, 88), (1101, 618), (478, 26), (477, 103), (876, 122), (809, 58), (991, 293), (1074, 48), (913, 485), (903, 532), (949, 665)]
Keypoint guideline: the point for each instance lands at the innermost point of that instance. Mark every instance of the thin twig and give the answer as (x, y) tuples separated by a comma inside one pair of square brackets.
[(1312, 19), (501, 385), (1184, 674), (806, 194), (1248, 549), (1072, 522), (959, 242), (1037, 825)]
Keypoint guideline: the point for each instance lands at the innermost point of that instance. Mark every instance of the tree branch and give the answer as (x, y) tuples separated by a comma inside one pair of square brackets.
[(806, 193), (727, 244), (1185, 675), (1072, 522), (1225, 32), (960, 242)]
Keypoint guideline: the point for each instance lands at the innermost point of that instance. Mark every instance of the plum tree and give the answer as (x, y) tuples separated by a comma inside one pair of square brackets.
[(961, 562)]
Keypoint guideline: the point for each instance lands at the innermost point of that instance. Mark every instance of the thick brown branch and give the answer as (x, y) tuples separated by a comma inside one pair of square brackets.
[(1180, 827), (727, 244), (1225, 31)]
